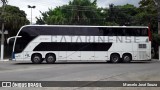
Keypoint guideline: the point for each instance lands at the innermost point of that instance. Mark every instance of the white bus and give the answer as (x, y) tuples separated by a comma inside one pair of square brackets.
[(71, 42)]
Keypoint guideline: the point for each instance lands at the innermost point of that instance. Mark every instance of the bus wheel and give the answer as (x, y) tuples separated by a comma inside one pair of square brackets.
[(50, 58), (36, 58), (126, 58), (115, 58)]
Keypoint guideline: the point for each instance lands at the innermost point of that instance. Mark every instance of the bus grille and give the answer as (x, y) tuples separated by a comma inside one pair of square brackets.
[(143, 46), (142, 55)]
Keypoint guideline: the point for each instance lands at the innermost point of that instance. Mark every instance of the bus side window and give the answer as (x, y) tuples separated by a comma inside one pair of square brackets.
[(136, 32), (144, 32), (128, 32), (120, 31), (101, 32), (110, 32), (124, 32)]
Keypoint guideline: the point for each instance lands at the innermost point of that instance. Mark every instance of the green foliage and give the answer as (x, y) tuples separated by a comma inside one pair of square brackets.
[(156, 39), (122, 15), (83, 12), (14, 18), (86, 12), (147, 13)]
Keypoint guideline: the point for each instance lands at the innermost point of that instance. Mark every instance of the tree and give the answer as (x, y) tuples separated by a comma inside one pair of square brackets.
[(121, 15), (54, 16), (14, 18), (86, 12), (83, 12), (147, 13)]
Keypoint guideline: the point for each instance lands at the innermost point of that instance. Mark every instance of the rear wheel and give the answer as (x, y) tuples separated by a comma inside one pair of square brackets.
[(36, 58), (115, 58), (50, 58), (126, 58)]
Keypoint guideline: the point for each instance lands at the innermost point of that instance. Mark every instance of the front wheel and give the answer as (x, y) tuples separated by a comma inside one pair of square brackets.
[(115, 58), (36, 59), (50, 58)]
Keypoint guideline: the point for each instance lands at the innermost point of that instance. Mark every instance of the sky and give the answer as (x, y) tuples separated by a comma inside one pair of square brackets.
[(44, 5)]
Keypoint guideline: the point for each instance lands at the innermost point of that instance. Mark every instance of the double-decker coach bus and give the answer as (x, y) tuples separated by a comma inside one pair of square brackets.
[(70, 42)]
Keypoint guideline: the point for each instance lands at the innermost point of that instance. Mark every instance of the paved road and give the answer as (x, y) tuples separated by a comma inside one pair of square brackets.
[(81, 71)]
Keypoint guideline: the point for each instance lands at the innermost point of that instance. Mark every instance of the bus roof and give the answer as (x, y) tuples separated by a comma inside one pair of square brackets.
[(85, 26)]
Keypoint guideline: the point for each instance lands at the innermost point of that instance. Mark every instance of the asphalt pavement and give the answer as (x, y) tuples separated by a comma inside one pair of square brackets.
[(80, 71)]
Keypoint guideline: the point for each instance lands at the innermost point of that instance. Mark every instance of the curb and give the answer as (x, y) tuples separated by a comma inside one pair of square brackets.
[(5, 60)]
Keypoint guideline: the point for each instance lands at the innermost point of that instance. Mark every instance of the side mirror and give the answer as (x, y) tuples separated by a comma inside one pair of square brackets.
[(18, 36), (12, 38)]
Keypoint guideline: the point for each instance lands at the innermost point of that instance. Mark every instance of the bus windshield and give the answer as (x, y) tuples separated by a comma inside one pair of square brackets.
[(23, 41)]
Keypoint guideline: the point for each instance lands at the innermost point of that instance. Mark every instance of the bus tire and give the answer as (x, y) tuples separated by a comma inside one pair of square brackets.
[(50, 58), (36, 58), (126, 58), (115, 58)]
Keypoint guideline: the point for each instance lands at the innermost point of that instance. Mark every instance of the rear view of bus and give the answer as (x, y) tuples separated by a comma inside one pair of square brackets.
[(37, 43)]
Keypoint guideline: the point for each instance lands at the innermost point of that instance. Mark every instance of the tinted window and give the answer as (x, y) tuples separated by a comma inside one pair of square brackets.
[(42, 30), (128, 32), (140, 32), (136, 32), (109, 32), (144, 32), (86, 31), (28, 35), (120, 31), (47, 46), (113, 31)]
